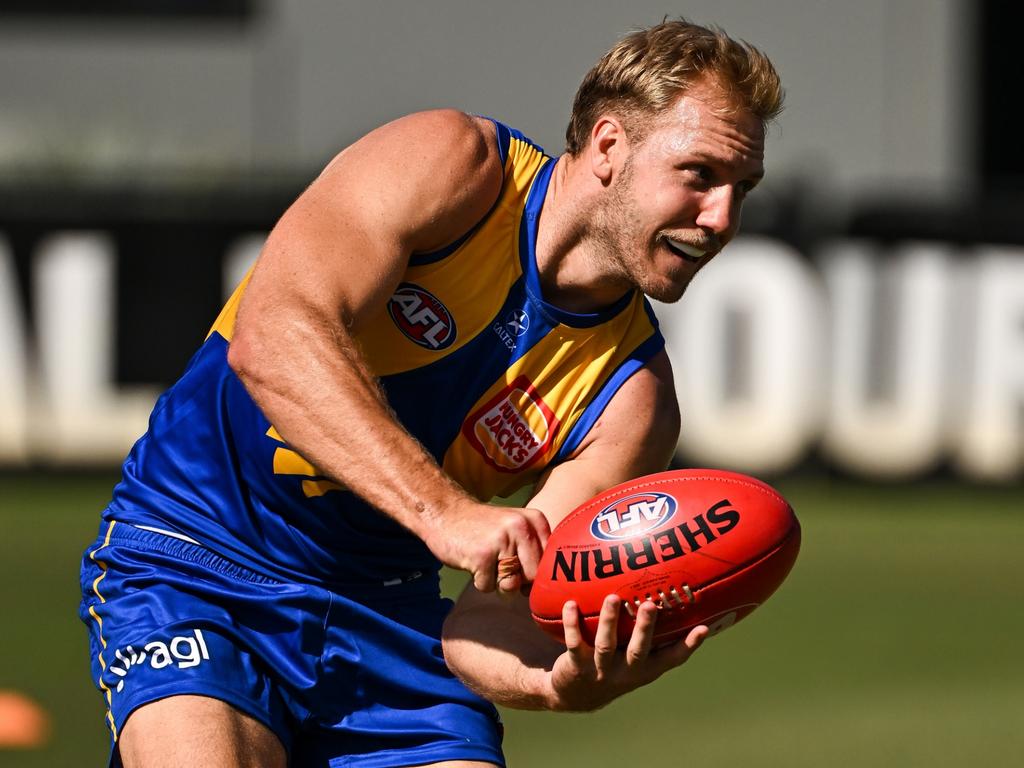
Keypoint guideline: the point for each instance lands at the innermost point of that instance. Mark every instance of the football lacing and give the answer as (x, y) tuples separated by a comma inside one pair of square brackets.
[(664, 600)]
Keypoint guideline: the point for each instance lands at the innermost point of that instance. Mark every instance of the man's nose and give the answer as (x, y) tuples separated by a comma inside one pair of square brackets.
[(718, 210)]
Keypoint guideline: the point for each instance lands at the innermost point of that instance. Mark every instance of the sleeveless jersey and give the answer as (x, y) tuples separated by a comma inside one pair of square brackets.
[(494, 381)]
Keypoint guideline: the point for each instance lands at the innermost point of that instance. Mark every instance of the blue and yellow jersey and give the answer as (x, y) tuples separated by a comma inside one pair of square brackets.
[(494, 381)]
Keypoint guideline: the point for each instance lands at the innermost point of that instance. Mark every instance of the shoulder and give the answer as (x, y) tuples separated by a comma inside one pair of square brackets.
[(471, 139), (424, 143), (441, 169)]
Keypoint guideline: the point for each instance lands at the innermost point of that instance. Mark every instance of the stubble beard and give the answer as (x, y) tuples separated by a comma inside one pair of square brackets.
[(622, 253)]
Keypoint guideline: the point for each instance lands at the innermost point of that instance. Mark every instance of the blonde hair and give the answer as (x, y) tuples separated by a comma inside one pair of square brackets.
[(648, 69)]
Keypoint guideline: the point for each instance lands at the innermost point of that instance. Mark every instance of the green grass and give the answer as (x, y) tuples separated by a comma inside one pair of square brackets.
[(896, 641), (47, 521)]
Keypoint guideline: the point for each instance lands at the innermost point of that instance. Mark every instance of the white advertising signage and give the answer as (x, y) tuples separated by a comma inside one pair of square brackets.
[(885, 361)]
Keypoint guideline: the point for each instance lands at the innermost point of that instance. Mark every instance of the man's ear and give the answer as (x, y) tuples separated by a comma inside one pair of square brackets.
[(608, 148)]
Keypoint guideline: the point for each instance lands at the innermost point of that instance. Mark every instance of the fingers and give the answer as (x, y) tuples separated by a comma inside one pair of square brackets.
[(510, 575), (642, 638), (677, 653), (606, 636), (530, 541), (484, 578), (503, 575), (696, 639), (571, 628), (510, 559)]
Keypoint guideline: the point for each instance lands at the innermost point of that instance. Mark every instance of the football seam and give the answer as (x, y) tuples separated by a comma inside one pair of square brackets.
[(739, 569)]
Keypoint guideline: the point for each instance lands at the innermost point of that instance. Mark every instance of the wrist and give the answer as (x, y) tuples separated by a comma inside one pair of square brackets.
[(434, 501), (431, 513), (539, 689)]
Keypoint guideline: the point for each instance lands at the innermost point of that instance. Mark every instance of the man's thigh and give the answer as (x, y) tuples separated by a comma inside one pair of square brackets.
[(196, 731), (360, 684), (168, 619)]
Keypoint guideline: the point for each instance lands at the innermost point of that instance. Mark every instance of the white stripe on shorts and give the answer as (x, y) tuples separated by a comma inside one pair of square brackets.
[(172, 534)]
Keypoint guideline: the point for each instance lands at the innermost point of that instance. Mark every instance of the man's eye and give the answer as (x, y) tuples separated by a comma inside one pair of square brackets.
[(701, 173), (744, 188)]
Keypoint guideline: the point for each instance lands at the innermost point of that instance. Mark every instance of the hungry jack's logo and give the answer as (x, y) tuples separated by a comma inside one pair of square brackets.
[(422, 317), (513, 429)]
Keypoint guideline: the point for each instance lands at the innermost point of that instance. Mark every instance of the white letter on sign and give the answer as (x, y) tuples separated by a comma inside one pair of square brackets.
[(13, 371), (746, 342), (890, 337), (993, 435), (91, 422)]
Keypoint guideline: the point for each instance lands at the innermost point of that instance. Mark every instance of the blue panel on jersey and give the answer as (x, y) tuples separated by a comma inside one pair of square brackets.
[(596, 407), (504, 137), (419, 396)]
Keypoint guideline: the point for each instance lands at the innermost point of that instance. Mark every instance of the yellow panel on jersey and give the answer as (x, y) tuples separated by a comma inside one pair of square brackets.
[(519, 425), (289, 462), (441, 306), (225, 322)]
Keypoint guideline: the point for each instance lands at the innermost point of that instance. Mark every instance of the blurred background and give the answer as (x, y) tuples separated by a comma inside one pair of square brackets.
[(861, 346)]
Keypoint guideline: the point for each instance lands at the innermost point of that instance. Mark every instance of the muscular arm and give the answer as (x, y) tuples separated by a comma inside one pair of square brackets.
[(491, 642), (331, 263)]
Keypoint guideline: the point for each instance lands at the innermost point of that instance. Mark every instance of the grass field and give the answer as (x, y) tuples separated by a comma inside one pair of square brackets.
[(897, 641)]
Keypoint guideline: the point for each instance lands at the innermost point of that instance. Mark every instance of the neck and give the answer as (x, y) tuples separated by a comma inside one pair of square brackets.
[(573, 274)]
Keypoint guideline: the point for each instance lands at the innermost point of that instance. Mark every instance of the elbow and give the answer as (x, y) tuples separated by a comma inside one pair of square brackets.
[(450, 634), (673, 430), (239, 355), (243, 357)]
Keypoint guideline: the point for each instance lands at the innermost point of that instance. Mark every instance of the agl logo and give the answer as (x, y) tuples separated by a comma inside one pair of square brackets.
[(632, 516), (183, 651)]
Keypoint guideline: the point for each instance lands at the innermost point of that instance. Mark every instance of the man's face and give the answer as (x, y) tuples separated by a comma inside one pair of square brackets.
[(677, 199)]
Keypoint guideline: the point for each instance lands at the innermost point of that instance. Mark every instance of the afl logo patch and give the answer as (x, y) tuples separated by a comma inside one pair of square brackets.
[(633, 516), (422, 317)]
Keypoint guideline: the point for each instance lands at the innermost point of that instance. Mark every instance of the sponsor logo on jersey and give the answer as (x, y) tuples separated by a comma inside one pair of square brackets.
[(633, 516), (422, 317), (517, 322), (514, 324), (181, 652), (513, 429)]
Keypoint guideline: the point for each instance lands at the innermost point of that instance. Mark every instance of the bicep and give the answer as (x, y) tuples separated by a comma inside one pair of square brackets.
[(635, 435)]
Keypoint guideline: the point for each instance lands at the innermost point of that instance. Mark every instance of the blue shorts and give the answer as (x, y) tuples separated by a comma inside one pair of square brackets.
[(337, 681)]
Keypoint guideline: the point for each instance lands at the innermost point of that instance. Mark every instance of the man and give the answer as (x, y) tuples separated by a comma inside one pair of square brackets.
[(444, 316)]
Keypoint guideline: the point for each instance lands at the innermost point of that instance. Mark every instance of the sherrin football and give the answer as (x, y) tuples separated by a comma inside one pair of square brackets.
[(706, 546)]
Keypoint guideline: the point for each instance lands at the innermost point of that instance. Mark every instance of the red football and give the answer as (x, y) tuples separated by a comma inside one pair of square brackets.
[(705, 545)]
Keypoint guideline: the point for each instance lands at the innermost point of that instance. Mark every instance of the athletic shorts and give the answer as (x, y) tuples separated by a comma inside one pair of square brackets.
[(339, 682)]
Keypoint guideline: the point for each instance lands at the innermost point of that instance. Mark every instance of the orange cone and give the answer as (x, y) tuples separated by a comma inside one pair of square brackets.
[(23, 723)]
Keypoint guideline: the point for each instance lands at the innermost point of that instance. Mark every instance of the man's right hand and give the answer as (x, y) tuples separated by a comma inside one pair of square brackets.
[(586, 677), (485, 539)]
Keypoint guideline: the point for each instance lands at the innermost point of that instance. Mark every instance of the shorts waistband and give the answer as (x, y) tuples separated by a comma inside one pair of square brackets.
[(174, 544)]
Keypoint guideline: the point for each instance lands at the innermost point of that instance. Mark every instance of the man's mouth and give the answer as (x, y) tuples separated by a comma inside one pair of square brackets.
[(691, 253)]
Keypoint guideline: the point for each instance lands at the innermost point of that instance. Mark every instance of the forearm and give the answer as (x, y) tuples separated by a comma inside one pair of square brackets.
[(308, 377), (501, 655)]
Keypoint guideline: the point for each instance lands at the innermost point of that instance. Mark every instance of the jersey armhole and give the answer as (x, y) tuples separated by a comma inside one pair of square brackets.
[(504, 138), (636, 360)]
